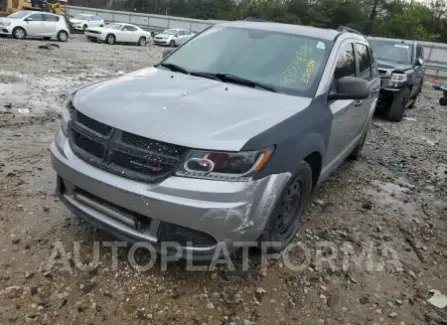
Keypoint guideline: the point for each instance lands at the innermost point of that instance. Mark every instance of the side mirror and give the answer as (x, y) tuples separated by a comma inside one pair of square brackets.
[(167, 52), (420, 62), (350, 88), (29, 19)]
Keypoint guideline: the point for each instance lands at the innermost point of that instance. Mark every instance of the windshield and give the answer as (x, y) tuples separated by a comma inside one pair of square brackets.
[(18, 15), (80, 17), (170, 31), (391, 51), (287, 62), (114, 26)]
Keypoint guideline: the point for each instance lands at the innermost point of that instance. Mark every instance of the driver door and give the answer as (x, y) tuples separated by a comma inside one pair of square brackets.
[(35, 25)]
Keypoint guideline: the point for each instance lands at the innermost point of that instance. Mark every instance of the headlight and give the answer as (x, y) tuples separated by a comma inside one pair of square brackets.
[(67, 109), (398, 77), (6, 23), (224, 166)]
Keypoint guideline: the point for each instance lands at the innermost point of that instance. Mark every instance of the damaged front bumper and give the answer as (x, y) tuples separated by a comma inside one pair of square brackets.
[(187, 211)]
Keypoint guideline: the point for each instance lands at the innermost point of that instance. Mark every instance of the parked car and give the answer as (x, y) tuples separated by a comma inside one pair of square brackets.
[(402, 70), (173, 37), (223, 141), (82, 21), (24, 24), (118, 33)]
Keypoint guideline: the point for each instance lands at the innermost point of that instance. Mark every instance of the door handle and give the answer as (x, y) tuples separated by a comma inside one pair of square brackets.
[(358, 102)]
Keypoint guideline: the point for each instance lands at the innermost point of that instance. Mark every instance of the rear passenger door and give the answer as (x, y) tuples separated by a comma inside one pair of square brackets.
[(51, 22)]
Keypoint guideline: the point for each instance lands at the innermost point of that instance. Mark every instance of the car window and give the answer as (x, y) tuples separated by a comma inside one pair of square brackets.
[(170, 32), (346, 62), (114, 26), (181, 33), (18, 15), (51, 18), (363, 61), (390, 50), (252, 54), (36, 17), (129, 28)]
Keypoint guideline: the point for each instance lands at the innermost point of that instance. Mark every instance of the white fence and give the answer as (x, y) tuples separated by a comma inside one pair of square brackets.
[(145, 21), (435, 54)]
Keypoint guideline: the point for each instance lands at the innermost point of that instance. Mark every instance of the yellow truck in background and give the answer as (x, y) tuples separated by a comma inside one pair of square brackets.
[(8, 7)]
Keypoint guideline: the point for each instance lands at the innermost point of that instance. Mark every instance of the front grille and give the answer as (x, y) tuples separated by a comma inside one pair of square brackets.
[(88, 144), (184, 236), (93, 124), (122, 153), (382, 72)]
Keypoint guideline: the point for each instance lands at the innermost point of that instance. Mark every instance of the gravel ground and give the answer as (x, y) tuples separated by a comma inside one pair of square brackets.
[(391, 201)]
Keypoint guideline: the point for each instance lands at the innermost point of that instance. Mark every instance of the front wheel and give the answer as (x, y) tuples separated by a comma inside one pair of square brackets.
[(19, 33), (62, 36), (283, 222), (142, 41), (172, 43), (398, 105), (443, 101), (110, 39)]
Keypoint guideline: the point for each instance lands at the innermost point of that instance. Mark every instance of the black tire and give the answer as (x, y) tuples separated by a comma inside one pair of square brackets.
[(62, 36), (397, 108), (19, 33), (172, 43), (443, 101), (84, 28), (101, 25), (142, 41), (282, 228), (110, 39)]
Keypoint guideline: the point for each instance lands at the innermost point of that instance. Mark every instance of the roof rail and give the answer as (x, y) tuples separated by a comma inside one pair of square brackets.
[(345, 29), (255, 19)]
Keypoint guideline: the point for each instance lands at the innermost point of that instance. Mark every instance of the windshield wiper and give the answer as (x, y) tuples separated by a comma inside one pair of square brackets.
[(228, 77), (173, 67)]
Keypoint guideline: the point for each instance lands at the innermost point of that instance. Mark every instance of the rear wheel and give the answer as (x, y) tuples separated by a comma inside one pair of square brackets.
[(110, 39), (283, 222), (142, 41), (62, 36), (397, 108), (19, 33)]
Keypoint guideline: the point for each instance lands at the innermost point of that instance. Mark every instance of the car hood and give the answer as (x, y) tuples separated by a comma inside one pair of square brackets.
[(5, 20), (99, 29), (76, 21), (163, 35), (185, 110), (390, 65)]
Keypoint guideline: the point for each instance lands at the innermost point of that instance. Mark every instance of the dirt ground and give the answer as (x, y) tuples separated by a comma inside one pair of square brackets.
[(392, 200)]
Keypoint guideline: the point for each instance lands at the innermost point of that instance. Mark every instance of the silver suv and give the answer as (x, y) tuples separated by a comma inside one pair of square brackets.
[(223, 141)]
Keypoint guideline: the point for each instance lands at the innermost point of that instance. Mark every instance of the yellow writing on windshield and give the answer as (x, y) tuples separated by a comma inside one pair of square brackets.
[(309, 68), (291, 72)]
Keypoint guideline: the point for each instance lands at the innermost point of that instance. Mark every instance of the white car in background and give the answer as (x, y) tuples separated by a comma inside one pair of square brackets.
[(23, 24), (83, 21), (118, 33), (173, 37)]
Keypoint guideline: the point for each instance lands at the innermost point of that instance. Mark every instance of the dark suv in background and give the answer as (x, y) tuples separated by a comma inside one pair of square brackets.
[(401, 68)]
